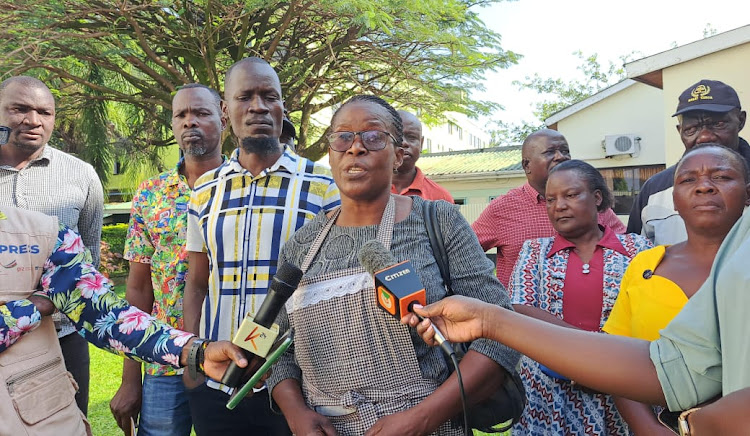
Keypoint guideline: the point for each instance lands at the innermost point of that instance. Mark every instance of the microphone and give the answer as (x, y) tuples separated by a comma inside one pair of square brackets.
[(257, 334), (397, 285)]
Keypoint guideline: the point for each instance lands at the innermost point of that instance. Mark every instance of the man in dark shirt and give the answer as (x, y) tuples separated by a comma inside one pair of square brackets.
[(707, 112)]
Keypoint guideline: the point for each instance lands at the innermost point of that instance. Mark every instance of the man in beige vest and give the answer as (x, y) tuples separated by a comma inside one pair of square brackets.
[(44, 267)]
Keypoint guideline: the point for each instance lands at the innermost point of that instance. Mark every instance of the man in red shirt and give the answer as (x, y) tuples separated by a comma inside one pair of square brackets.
[(521, 214), (408, 179)]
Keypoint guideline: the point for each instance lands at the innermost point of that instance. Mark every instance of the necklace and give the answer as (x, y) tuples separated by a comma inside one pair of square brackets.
[(585, 268)]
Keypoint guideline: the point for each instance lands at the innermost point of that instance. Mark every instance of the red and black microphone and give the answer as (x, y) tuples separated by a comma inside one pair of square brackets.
[(397, 285)]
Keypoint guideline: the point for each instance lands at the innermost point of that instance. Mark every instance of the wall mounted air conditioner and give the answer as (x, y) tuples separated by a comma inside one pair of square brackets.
[(615, 145)]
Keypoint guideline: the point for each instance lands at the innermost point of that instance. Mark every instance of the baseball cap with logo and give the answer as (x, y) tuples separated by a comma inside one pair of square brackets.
[(708, 95)]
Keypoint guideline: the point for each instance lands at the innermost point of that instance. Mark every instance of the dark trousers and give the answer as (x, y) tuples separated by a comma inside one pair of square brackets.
[(253, 416), (75, 351)]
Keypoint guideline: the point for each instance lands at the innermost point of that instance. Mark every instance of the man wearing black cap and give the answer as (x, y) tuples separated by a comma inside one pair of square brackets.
[(708, 112)]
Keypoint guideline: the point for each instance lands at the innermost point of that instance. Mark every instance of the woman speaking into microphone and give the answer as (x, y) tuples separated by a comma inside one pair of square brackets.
[(354, 368)]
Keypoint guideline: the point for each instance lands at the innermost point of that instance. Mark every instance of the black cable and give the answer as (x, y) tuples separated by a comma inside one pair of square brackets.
[(467, 429)]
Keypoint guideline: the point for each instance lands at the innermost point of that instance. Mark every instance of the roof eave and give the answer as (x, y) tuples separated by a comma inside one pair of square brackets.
[(476, 176), (648, 70), (583, 104)]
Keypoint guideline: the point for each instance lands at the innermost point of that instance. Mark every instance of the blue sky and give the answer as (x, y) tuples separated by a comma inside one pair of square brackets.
[(547, 32)]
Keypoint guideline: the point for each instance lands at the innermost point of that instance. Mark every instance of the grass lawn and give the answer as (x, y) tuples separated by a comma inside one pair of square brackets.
[(106, 371)]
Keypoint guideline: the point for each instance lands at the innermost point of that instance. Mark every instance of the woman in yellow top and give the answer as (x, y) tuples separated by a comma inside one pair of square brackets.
[(710, 193)]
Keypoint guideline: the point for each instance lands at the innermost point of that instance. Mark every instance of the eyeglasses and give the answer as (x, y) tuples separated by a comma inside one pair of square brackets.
[(372, 140)]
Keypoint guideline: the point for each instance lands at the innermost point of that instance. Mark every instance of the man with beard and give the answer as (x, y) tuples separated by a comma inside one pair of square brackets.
[(240, 216), (155, 247), (408, 179), (38, 177)]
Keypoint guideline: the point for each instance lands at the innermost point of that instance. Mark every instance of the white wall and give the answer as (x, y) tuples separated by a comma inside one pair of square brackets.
[(459, 133), (729, 66), (637, 109)]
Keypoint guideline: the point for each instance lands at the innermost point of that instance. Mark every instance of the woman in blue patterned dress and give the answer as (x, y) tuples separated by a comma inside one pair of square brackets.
[(571, 279)]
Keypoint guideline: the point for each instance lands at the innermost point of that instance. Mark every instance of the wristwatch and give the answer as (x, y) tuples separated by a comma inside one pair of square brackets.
[(683, 424), (196, 357)]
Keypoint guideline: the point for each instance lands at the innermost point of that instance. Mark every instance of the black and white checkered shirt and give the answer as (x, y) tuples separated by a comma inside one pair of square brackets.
[(60, 185)]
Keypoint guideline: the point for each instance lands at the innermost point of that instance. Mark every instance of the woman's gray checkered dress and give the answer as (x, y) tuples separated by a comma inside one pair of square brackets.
[(355, 362)]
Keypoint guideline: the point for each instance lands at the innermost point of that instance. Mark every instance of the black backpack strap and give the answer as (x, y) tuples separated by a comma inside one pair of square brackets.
[(429, 211), (506, 404)]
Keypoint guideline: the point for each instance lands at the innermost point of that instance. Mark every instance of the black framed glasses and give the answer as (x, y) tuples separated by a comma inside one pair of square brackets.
[(372, 140)]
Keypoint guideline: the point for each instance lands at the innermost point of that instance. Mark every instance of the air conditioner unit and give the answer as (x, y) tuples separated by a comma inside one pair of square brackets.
[(615, 145)]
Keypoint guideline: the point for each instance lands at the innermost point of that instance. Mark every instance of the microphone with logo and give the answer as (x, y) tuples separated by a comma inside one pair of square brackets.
[(397, 285), (258, 334)]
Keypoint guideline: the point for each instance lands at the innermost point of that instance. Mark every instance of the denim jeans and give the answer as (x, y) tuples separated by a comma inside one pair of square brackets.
[(165, 410)]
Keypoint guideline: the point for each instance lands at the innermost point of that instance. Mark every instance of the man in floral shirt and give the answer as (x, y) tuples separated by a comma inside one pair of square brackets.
[(37, 390), (155, 248)]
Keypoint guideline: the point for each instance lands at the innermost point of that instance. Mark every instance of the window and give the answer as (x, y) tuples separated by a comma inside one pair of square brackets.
[(450, 128), (460, 132), (625, 184), (428, 143)]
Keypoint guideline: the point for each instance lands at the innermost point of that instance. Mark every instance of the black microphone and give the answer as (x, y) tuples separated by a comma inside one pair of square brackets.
[(397, 285), (257, 334)]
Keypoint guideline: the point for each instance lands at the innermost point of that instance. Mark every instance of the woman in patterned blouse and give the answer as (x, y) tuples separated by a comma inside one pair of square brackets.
[(572, 280)]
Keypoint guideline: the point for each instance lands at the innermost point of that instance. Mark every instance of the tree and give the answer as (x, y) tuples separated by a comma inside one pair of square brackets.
[(122, 60), (560, 93)]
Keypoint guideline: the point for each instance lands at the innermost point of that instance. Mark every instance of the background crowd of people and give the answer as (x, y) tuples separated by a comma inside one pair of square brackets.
[(205, 239)]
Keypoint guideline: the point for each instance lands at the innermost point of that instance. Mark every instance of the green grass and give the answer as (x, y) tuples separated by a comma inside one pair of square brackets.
[(106, 371)]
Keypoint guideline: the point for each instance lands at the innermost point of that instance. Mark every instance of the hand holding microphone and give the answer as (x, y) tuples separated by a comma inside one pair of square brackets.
[(257, 334), (397, 285)]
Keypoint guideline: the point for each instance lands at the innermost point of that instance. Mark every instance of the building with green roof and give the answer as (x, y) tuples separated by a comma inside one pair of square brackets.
[(475, 177)]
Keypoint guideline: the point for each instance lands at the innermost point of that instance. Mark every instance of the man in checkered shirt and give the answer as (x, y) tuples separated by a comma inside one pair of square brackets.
[(521, 214), (35, 176), (240, 215)]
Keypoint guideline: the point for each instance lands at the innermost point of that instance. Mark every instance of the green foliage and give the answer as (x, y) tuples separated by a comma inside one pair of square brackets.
[(593, 78), (112, 262), (106, 371), (560, 93), (131, 56), (505, 134)]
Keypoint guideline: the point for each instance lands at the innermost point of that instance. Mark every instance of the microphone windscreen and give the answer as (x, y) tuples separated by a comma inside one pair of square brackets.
[(373, 257), (290, 275)]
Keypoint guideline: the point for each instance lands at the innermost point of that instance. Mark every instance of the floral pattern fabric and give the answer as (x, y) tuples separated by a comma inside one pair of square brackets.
[(156, 235), (555, 406), (85, 296)]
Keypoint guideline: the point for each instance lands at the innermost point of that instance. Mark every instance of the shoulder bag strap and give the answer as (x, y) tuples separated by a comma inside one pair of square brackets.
[(436, 241)]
